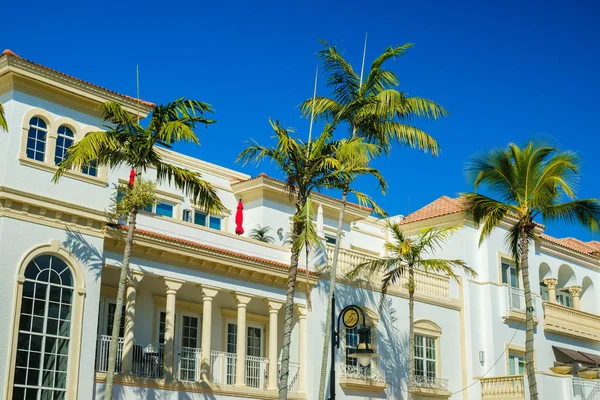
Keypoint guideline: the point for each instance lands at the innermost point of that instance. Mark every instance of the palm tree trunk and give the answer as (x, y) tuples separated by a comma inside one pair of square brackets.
[(411, 333), (529, 348), (289, 314), (332, 276), (114, 340)]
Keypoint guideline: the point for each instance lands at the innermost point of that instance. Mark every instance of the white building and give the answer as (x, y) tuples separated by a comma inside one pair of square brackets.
[(59, 266)]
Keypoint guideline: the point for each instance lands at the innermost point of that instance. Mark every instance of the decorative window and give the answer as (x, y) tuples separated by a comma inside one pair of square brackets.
[(204, 219), (44, 330), (425, 356), (90, 168), (64, 140), (36, 139), (516, 363)]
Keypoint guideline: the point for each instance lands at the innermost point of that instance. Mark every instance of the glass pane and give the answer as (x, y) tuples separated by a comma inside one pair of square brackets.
[(199, 218), (215, 223), (164, 209)]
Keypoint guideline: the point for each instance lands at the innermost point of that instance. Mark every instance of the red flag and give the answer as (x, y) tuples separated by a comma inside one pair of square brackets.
[(239, 218), (132, 175)]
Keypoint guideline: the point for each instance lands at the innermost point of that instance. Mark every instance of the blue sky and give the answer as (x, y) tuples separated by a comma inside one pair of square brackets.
[(506, 71)]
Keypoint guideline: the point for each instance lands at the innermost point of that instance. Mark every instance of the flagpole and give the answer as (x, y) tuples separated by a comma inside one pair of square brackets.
[(137, 84), (362, 71), (312, 114)]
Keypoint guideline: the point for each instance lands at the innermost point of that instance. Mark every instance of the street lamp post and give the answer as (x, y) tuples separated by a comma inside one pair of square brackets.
[(350, 316)]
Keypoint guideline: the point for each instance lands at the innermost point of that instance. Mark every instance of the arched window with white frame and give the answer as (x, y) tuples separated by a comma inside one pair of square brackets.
[(36, 139), (64, 140)]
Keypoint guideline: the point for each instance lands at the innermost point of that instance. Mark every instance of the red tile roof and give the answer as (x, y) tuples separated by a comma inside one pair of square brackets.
[(197, 245), (263, 175), (10, 53), (439, 207), (589, 248)]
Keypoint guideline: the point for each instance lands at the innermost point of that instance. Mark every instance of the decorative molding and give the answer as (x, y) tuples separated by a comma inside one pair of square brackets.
[(250, 317), (161, 301), (567, 321)]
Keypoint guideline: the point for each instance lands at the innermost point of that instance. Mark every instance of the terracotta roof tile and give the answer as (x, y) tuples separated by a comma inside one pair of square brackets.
[(197, 245), (589, 248), (8, 52), (263, 175), (439, 207)]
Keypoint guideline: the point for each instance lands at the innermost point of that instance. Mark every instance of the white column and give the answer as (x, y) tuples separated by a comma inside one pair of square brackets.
[(242, 301), (208, 293), (171, 286), (274, 307), (302, 365), (575, 295), (551, 286), (130, 296)]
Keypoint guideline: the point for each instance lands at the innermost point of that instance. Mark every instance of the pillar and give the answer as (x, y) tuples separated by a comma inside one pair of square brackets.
[(242, 301), (208, 293), (551, 285), (575, 295), (302, 365), (274, 307), (171, 287), (128, 341)]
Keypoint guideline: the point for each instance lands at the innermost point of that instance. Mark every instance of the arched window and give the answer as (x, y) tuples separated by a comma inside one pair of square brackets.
[(44, 330), (63, 142), (91, 168), (36, 139)]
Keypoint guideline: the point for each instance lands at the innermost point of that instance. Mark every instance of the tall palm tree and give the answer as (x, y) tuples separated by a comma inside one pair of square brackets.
[(408, 254), (376, 111), (307, 167), (261, 233), (127, 143), (527, 183), (3, 124)]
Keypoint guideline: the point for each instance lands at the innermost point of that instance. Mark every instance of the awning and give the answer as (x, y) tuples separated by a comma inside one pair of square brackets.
[(573, 355), (593, 357)]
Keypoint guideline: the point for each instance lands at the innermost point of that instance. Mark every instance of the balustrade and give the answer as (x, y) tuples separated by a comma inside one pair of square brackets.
[(503, 387)]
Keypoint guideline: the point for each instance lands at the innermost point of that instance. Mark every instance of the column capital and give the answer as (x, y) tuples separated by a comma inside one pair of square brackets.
[(134, 278), (208, 292), (301, 310), (241, 299), (273, 305), (172, 285), (551, 283), (575, 291)]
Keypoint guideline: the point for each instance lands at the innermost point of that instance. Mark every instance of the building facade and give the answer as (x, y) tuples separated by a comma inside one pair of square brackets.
[(204, 307)]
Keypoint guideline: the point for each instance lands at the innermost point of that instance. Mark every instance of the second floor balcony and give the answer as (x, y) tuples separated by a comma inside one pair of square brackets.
[(515, 306), (568, 321)]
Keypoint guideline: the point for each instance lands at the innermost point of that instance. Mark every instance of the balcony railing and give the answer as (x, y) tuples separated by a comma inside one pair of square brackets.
[(257, 369), (148, 360), (294, 370), (516, 299), (189, 363), (429, 382), (427, 284), (503, 387), (102, 349), (369, 374), (570, 322), (222, 367), (585, 389)]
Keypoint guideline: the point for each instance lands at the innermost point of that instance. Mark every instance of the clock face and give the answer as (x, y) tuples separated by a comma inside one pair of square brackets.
[(350, 318)]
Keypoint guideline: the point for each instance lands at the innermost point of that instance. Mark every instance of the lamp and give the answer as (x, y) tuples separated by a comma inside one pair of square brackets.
[(364, 354), (482, 357)]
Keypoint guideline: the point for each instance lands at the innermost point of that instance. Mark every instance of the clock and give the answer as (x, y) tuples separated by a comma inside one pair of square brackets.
[(350, 318)]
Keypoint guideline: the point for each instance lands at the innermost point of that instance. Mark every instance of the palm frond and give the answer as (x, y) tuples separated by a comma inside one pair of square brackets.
[(261, 233), (3, 124), (585, 212), (341, 76)]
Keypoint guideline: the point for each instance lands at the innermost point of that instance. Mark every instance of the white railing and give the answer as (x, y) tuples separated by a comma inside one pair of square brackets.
[(188, 363), (148, 361), (294, 371), (428, 284), (503, 387), (257, 369), (222, 367), (102, 350), (361, 373), (431, 382), (585, 389), (516, 299)]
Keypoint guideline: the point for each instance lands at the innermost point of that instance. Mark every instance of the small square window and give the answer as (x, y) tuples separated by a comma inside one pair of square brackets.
[(200, 218), (215, 223), (164, 209), (330, 239), (187, 215)]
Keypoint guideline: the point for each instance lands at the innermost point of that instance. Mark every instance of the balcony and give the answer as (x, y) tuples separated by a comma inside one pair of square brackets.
[(515, 306), (503, 388), (567, 321), (148, 363), (585, 389), (429, 386), (362, 378), (426, 284)]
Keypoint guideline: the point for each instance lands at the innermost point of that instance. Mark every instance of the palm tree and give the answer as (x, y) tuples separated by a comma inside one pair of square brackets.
[(375, 111), (3, 124), (261, 233), (127, 143), (408, 254), (529, 182), (307, 167)]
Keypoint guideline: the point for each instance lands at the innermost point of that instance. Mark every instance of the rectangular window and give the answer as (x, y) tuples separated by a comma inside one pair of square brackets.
[(425, 356), (111, 318), (352, 343), (509, 275), (215, 223), (204, 219), (330, 239), (164, 209), (91, 168), (516, 364), (200, 218), (563, 298), (187, 215), (231, 348)]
